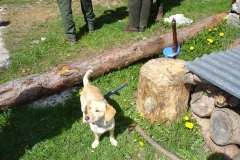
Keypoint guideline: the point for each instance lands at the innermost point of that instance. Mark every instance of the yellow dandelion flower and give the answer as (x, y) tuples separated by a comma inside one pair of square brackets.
[(141, 143), (132, 124), (210, 40), (225, 17), (215, 29), (124, 100), (221, 34), (209, 30), (189, 125), (186, 118), (80, 93), (191, 48), (141, 115)]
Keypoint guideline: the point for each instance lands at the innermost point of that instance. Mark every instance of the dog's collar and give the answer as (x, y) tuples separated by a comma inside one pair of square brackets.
[(99, 126)]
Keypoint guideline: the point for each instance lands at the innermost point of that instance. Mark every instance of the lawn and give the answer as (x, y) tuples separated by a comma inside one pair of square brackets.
[(57, 132)]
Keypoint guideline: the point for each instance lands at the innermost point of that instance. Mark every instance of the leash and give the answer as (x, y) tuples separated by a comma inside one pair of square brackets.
[(114, 92)]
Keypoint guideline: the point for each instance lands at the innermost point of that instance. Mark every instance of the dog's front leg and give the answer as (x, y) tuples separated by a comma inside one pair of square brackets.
[(96, 141), (112, 138)]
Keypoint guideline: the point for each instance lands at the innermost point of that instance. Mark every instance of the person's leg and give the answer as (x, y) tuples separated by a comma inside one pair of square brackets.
[(145, 11), (134, 12), (89, 16), (160, 10), (67, 19), (134, 7), (159, 3)]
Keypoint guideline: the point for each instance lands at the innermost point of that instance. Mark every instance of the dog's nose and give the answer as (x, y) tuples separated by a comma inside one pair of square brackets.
[(87, 118)]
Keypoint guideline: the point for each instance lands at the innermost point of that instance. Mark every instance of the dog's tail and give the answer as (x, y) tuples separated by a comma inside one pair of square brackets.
[(86, 76)]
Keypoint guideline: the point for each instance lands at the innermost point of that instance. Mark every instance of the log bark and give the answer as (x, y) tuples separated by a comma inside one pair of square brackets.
[(161, 92), (32, 87), (225, 127)]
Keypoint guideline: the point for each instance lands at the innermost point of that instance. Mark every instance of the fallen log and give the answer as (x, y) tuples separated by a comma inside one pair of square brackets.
[(32, 87)]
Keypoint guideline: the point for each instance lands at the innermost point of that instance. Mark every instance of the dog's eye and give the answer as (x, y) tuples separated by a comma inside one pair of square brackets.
[(97, 110)]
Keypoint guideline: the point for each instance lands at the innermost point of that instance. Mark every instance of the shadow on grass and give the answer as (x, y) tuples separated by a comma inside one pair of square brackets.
[(122, 122), (218, 156), (108, 17), (27, 126)]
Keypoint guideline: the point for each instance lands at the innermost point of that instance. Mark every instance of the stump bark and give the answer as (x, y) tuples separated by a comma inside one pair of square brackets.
[(162, 93), (225, 127)]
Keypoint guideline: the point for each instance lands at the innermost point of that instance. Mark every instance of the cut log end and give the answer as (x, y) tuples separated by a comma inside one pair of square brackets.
[(225, 127)]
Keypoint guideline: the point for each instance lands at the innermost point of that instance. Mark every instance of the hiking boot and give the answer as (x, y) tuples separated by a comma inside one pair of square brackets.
[(159, 14), (72, 40), (90, 29), (130, 29), (142, 28)]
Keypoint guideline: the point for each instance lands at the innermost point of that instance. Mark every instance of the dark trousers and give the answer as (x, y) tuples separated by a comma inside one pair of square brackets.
[(65, 7), (139, 11)]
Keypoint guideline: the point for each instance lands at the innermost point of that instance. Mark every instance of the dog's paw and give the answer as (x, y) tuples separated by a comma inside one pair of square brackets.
[(95, 144), (113, 142)]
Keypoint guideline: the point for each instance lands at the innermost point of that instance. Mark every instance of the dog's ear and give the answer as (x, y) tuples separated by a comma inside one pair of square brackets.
[(110, 112)]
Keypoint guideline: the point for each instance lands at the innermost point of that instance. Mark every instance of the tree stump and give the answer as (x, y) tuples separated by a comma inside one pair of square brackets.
[(162, 93), (225, 127)]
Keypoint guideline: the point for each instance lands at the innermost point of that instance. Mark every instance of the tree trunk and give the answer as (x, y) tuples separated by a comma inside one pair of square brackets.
[(161, 91), (225, 127), (32, 87)]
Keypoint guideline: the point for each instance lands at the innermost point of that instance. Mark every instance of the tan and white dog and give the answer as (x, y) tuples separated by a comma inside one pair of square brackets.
[(96, 111)]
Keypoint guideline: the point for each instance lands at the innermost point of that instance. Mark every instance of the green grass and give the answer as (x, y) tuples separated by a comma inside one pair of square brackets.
[(58, 132)]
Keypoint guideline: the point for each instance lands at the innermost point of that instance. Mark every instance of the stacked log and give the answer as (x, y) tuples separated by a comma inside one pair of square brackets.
[(220, 112)]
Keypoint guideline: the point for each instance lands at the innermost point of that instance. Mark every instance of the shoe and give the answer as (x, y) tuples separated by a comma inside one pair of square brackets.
[(130, 29), (142, 28), (91, 29), (72, 40)]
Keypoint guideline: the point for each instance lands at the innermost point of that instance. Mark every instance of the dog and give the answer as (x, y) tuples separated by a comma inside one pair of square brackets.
[(96, 111)]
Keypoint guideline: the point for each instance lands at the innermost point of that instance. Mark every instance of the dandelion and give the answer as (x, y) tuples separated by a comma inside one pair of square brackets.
[(221, 34), (132, 124), (141, 143), (215, 29), (141, 115), (124, 100), (80, 93), (225, 17), (191, 48), (209, 30), (210, 40), (189, 125), (186, 118)]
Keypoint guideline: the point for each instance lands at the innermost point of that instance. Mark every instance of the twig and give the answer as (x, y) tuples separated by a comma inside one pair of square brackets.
[(156, 145)]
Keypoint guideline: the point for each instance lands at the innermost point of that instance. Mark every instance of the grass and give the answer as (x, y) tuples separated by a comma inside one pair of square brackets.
[(58, 132)]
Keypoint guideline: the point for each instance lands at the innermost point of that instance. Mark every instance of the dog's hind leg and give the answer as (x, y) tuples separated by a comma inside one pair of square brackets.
[(83, 107)]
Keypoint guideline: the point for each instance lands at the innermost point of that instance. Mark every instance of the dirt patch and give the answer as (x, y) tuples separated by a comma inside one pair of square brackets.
[(26, 16)]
